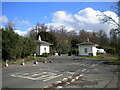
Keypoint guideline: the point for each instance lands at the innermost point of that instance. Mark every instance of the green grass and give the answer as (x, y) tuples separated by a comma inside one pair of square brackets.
[(92, 56), (32, 58), (116, 61), (112, 62), (99, 56)]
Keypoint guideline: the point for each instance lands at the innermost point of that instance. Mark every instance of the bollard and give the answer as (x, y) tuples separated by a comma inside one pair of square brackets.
[(35, 55), (45, 60), (23, 62), (35, 62), (6, 64)]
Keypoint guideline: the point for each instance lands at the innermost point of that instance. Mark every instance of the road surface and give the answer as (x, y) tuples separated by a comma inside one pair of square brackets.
[(45, 74)]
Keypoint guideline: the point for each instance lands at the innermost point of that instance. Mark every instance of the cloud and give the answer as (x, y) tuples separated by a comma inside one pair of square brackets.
[(62, 16), (25, 22), (3, 19), (21, 33), (21, 22), (86, 19)]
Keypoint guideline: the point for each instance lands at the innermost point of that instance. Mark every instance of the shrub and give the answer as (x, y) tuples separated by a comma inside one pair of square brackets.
[(45, 55), (75, 51), (111, 50)]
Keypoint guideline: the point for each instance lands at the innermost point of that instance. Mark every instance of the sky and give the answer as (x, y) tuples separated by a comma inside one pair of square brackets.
[(73, 15)]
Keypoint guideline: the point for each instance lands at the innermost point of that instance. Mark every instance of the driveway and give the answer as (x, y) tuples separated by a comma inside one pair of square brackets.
[(90, 73)]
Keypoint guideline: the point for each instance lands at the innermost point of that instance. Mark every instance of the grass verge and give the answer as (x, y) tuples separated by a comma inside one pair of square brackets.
[(19, 61), (112, 62), (103, 56)]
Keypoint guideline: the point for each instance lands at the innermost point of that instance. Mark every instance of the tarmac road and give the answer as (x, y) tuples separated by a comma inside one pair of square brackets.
[(42, 75)]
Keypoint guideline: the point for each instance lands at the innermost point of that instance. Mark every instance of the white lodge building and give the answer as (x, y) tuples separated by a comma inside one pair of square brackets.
[(88, 49), (42, 46)]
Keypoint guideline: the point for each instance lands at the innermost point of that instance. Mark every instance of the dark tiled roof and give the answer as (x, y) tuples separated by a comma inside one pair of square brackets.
[(43, 42), (86, 43)]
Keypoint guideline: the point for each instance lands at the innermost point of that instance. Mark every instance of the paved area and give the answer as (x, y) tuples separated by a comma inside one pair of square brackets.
[(85, 74)]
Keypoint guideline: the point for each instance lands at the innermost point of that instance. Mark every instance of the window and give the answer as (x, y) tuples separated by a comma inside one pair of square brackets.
[(45, 49), (85, 50)]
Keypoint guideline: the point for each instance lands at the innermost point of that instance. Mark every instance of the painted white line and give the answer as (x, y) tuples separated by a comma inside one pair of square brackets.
[(40, 78), (65, 79), (33, 76), (53, 77), (72, 80), (77, 77), (70, 77), (36, 74), (81, 75), (67, 83), (45, 75), (93, 65), (59, 87), (70, 72), (58, 82), (84, 70)]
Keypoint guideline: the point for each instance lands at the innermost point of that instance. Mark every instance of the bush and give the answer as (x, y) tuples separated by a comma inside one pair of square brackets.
[(45, 55), (111, 50), (15, 46), (75, 51)]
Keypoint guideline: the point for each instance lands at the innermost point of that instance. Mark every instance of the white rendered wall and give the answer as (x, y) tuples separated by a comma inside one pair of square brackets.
[(42, 49), (82, 49), (94, 50), (101, 50)]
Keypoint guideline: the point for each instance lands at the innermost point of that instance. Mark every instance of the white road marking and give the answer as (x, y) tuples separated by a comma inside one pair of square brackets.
[(45, 76), (59, 87), (53, 77), (65, 79), (77, 77), (93, 65), (58, 82), (81, 75), (70, 72), (72, 80), (84, 70)]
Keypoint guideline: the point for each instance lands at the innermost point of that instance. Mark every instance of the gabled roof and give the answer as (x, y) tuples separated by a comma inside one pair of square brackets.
[(43, 42), (86, 43), (39, 41)]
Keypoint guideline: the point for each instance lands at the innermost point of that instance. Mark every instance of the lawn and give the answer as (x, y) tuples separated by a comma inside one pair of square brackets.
[(104, 56), (112, 62), (116, 61)]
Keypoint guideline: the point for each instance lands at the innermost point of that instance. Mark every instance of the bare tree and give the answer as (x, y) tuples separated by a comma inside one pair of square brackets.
[(108, 19), (33, 33), (10, 25)]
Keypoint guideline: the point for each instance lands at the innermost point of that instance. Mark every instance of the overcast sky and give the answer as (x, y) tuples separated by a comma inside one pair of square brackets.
[(73, 15)]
